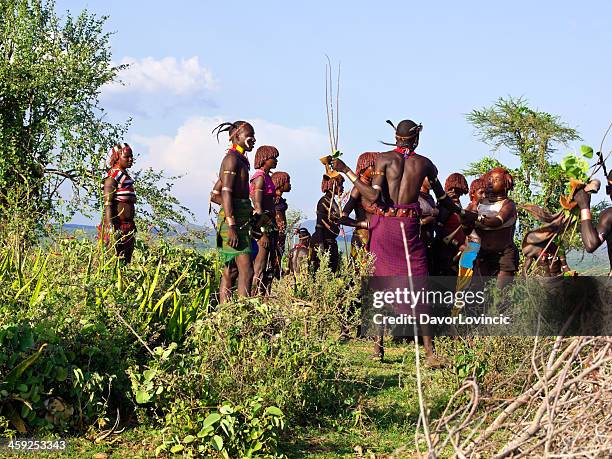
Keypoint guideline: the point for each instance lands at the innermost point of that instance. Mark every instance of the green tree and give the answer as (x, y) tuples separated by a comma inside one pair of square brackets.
[(532, 136), (53, 131)]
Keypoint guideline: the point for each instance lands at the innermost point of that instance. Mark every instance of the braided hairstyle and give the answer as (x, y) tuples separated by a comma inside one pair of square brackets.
[(331, 183), (456, 180), (280, 179), (231, 128), (264, 153), (365, 160), (116, 151), (477, 184), (507, 177)]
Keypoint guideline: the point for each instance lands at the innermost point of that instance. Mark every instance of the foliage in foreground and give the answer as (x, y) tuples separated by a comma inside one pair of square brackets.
[(85, 341)]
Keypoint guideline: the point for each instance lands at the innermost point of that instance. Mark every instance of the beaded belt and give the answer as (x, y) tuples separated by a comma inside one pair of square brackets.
[(395, 212)]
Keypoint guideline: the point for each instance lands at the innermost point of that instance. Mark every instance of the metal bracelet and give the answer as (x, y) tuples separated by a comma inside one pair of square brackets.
[(585, 214)]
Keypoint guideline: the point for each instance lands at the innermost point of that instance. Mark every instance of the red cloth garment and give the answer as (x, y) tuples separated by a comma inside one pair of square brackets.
[(125, 185), (404, 151)]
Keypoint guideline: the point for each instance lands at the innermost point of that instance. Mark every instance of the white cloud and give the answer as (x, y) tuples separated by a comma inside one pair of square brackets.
[(169, 75), (194, 151)]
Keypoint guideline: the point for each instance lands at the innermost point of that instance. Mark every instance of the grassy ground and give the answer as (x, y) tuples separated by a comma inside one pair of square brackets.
[(387, 411), (381, 420)]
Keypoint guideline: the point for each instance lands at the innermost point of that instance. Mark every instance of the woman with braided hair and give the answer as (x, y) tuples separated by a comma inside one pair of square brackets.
[(327, 227), (495, 225), (363, 208), (233, 221), (450, 236), (119, 202), (265, 231), (282, 184)]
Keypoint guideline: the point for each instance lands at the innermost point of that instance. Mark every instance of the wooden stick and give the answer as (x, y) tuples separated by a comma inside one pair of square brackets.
[(416, 346)]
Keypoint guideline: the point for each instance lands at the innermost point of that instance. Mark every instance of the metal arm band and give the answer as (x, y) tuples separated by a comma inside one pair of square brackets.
[(585, 214), (351, 176), (229, 172), (378, 173), (215, 192), (226, 188), (376, 187)]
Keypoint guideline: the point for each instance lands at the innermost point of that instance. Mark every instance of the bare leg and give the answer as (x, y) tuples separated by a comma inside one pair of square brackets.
[(259, 267), (245, 274), (504, 278), (228, 276)]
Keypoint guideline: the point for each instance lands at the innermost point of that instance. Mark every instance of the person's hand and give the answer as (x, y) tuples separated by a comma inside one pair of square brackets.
[(339, 166), (468, 216), (583, 199), (264, 241), (232, 237)]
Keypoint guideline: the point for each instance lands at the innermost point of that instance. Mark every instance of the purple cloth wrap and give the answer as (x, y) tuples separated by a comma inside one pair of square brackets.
[(387, 245)]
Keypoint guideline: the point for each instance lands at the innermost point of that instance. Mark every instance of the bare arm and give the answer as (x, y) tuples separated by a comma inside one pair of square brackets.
[(507, 211), (371, 193), (229, 169), (593, 237), (110, 188), (215, 194), (257, 196), (349, 207), (441, 196)]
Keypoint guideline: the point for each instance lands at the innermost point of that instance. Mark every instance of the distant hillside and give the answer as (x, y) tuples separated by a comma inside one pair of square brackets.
[(588, 263)]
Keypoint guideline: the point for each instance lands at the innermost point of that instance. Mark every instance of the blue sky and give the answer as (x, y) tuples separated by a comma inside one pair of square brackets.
[(199, 62)]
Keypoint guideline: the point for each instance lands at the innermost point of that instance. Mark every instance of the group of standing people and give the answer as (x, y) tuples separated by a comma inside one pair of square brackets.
[(252, 222), (396, 218)]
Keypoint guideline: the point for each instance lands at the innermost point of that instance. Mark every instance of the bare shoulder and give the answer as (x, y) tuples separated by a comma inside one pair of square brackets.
[(109, 181), (606, 216), (384, 157), (229, 161)]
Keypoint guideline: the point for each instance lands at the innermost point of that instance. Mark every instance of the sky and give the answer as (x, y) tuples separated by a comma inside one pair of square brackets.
[(194, 64)]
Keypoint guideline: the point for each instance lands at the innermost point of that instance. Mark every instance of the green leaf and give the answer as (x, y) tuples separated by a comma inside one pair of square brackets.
[(205, 431), (177, 448), (16, 372), (22, 388), (142, 397), (61, 374), (586, 151), (189, 439), (211, 419), (217, 442), (274, 411), (568, 161), (149, 375)]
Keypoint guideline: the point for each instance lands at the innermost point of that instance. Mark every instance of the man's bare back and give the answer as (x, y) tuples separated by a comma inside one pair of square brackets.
[(404, 176)]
